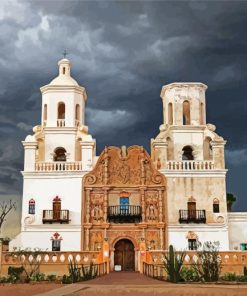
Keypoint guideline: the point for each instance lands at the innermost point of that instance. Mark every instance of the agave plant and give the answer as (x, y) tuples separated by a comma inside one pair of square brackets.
[(173, 263)]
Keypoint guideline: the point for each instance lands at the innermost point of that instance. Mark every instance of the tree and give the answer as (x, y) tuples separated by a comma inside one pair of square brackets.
[(5, 209), (230, 199)]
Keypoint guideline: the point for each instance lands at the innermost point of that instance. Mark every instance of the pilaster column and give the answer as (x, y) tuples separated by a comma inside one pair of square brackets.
[(218, 153), (88, 205), (105, 203), (160, 152), (30, 153), (160, 205), (142, 190), (87, 154)]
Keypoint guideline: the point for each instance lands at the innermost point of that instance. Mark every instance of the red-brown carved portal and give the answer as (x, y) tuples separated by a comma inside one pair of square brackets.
[(124, 196)]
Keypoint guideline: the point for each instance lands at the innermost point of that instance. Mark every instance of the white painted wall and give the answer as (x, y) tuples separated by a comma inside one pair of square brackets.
[(237, 223)]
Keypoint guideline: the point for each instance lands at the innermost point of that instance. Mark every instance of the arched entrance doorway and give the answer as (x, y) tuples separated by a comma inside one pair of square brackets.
[(124, 255)]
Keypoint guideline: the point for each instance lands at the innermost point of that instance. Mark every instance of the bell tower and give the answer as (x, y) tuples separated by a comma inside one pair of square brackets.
[(191, 156)]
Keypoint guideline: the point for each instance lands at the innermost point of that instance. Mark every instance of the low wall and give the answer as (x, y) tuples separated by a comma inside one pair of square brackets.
[(232, 261), (52, 262)]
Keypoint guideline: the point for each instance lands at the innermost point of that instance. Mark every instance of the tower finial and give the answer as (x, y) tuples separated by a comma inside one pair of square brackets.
[(65, 53)]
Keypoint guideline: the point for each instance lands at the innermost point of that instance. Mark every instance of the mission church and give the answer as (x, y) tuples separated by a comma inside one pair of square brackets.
[(74, 200)]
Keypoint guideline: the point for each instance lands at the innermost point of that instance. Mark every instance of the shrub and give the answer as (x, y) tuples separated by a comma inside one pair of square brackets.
[(230, 276), (38, 277), (189, 275), (67, 279), (51, 277), (245, 270), (208, 265), (173, 263), (15, 272)]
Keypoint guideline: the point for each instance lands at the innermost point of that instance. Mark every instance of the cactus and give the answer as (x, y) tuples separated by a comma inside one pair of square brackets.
[(74, 271), (173, 263)]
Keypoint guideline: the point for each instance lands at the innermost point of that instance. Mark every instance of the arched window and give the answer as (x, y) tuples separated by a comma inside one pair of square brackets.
[(186, 113), (187, 153), (170, 114), (61, 111), (31, 207), (202, 121), (77, 112), (59, 154), (216, 205), (45, 112)]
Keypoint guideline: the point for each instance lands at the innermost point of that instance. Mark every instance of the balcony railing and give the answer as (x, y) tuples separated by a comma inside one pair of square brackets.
[(192, 216), (58, 166), (189, 165), (124, 214), (60, 122), (50, 216)]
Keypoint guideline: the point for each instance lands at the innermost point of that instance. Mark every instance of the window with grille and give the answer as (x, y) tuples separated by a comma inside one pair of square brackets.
[(56, 245), (192, 244), (31, 207)]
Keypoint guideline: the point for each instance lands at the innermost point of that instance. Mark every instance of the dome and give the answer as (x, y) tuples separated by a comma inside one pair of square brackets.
[(63, 80), (64, 77)]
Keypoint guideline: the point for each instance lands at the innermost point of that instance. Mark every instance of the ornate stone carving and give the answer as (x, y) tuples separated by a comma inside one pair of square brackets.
[(97, 213), (29, 220), (118, 167), (96, 241), (152, 207), (192, 235)]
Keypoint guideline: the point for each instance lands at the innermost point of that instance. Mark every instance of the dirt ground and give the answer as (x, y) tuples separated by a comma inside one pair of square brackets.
[(26, 289)]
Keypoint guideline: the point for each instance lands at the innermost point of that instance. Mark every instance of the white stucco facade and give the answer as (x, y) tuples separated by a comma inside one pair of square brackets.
[(187, 151)]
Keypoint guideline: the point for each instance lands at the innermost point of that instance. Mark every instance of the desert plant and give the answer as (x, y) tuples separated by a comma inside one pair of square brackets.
[(89, 272), (37, 277), (173, 263), (229, 276), (29, 260), (15, 271), (245, 270), (51, 277), (189, 275), (66, 279), (208, 265), (74, 271), (230, 199)]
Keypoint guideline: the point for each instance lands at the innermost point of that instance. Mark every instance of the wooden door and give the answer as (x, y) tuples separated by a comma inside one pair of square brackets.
[(56, 210), (191, 210), (124, 255)]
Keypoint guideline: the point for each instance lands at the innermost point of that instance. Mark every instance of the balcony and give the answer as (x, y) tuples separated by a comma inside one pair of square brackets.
[(50, 216), (190, 165), (192, 216), (61, 123), (58, 166), (124, 214)]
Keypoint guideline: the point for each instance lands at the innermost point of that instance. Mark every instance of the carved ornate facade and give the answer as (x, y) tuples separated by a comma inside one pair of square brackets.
[(124, 173)]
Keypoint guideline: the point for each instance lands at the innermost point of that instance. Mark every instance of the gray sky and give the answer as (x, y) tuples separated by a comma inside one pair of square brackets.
[(122, 52)]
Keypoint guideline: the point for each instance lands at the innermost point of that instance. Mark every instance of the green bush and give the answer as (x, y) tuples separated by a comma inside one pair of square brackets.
[(3, 280), (245, 270), (230, 277), (15, 272), (38, 277), (67, 279), (51, 277), (189, 275)]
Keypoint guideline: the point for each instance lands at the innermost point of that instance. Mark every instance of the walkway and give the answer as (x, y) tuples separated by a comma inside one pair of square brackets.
[(131, 283)]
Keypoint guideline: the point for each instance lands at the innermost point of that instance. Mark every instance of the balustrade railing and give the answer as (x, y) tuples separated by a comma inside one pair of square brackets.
[(50, 216), (58, 166), (156, 271), (189, 165), (192, 216), (60, 122)]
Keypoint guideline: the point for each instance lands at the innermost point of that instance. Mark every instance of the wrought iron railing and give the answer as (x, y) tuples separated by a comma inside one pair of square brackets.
[(124, 214), (50, 216), (192, 216)]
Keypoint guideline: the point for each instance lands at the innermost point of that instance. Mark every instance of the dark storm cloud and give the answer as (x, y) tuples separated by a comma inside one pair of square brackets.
[(123, 52)]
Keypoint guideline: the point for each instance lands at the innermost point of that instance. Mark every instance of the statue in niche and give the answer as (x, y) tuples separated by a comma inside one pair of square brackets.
[(97, 212), (152, 207), (125, 173)]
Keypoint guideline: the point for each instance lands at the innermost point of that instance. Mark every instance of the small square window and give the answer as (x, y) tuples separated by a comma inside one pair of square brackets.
[(243, 247), (192, 244), (56, 245), (216, 208)]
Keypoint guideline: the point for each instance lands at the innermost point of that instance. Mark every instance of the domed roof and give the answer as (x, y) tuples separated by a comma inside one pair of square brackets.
[(64, 77), (63, 80)]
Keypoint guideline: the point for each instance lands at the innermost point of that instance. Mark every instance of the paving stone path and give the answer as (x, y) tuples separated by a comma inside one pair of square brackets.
[(131, 283)]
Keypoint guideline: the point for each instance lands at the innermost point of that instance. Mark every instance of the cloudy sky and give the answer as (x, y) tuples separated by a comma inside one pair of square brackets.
[(122, 52)]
